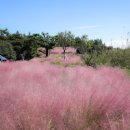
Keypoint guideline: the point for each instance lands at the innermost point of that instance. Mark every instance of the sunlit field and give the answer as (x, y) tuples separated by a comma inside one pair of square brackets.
[(39, 96), (65, 65), (56, 57)]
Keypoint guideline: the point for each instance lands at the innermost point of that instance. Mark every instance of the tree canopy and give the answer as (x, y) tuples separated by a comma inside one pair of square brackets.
[(24, 47)]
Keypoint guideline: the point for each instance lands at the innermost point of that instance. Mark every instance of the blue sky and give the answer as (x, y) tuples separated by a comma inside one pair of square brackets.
[(105, 19)]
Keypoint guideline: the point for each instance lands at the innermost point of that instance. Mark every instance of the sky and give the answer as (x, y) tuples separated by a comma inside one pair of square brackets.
[(108, 20)]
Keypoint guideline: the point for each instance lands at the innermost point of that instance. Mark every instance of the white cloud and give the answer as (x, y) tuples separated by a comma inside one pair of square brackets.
[(86, 27)]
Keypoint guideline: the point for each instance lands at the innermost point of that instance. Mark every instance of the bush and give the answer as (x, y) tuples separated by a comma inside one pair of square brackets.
[(114, 57), (6, 50), (121, 58), (45, 97)]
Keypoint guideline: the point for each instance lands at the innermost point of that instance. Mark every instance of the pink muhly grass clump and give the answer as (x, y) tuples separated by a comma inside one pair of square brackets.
[(72, 60), (36, 96)]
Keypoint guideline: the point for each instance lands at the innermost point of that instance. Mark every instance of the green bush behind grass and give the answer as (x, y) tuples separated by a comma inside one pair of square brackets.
[(114, 57)]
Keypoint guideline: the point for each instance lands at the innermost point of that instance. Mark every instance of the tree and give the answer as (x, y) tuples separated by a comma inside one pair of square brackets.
[(47, 41), (30, 46), (4, 33), (17, 41), (65, 39), (6, 50), (80, 45), (84, 38)]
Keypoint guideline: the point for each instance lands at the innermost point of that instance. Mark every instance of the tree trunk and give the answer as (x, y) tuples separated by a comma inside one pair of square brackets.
[(47, 51), (64, 54)]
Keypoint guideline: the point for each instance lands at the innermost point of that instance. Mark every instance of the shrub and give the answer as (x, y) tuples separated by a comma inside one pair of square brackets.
[(6, 50), (121, 58), (44, 97), (115, 57)]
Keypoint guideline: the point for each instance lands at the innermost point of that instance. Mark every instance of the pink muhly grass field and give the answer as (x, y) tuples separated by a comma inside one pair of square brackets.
[(36, 96), (70, 59), (60, 50)]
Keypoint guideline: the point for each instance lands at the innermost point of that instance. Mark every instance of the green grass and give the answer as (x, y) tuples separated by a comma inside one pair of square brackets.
[(127, 71), (57, 63)]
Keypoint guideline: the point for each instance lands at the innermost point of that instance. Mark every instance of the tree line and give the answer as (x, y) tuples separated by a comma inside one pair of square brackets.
[(18, 46)]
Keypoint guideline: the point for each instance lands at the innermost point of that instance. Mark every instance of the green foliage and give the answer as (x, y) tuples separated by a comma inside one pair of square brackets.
[(89, 60), (20, 46), (80, 45), (84, 45), (6, 50), (121, 58), (113, 57), (30, 46), (128, 71), (47, 42), (64, 40), (17, 41), (57, 62), (26, 46), (17, 46), (4, 33)]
